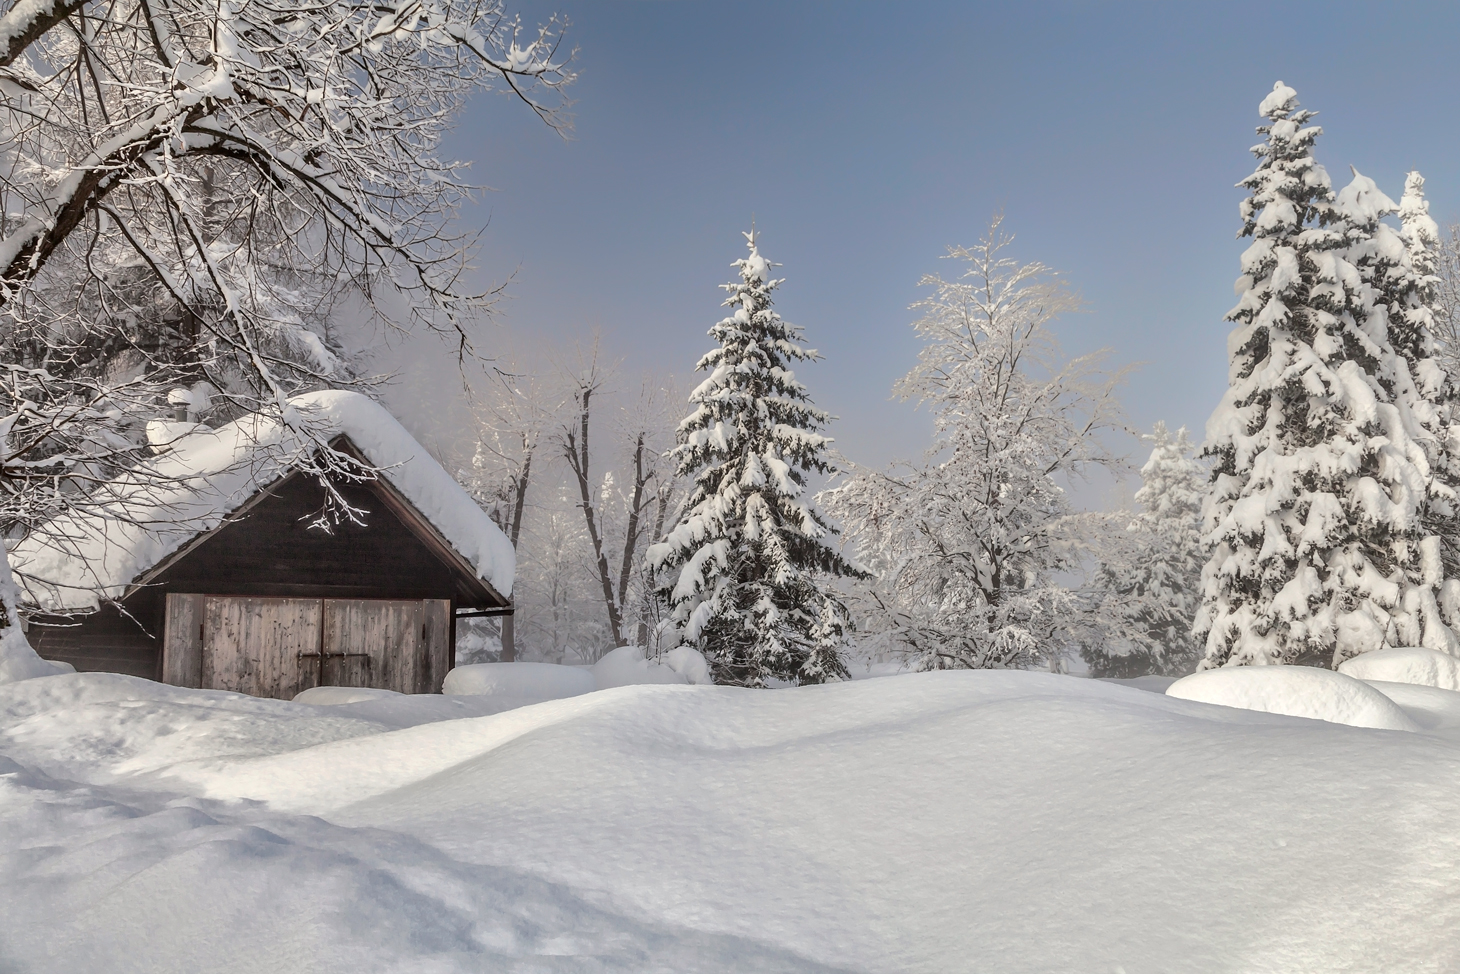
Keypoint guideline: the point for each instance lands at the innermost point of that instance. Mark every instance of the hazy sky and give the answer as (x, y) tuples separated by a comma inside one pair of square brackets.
[(865, 138)]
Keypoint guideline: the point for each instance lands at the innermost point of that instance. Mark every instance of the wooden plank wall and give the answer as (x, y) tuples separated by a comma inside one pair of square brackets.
[(107, 640), (272, 551)]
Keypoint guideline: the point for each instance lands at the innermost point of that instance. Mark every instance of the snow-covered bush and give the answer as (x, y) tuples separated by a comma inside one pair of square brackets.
[(1322, 446), (627, 666), (747, 568), (476, 642), (968, 548)]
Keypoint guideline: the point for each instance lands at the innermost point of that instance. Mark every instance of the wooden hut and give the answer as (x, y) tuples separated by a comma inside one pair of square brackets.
[(215, 570)]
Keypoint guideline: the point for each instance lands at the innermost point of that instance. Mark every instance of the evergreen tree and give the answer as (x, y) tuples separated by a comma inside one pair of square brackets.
[(1389, 312), (1150, 580), (745, 571), (1420, 232), (1314, 516), (1417, 294)]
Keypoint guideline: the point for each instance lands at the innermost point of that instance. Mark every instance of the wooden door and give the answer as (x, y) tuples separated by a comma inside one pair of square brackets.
[(373, 643), (262, 647), (182, 640)]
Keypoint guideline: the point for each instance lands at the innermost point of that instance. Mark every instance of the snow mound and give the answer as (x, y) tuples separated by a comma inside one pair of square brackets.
[(101, 726), (688, 663), (1431, 708), (1409, 664), (525, 681), (626, 666), (1296, 691), (342, 696), (19, 662)]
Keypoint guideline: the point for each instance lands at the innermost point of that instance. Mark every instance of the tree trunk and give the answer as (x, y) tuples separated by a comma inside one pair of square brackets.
[(509, 627), (631, 532), (576, 451), (663, 497)]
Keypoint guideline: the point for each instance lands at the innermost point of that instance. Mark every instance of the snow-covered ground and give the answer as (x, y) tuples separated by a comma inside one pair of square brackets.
[(957, 821)]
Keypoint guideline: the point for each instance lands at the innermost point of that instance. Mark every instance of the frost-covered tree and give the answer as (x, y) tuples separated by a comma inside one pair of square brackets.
[(969, 548), (746, 571), (511, 417), (1445, 299), (1149, 581), (1315, 517), (184, 182)]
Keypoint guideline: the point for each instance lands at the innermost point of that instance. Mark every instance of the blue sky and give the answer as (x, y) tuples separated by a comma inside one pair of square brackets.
[(864, 138)]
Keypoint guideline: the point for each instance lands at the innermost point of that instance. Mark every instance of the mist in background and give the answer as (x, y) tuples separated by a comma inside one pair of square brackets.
[(863, 139)]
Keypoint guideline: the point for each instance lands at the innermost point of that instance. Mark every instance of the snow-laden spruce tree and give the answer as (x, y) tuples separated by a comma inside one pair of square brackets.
[(1315, 516), (1390, 310), (1421, 234), (970, 549), (746, 571), (1149, 579), (1416, 296)]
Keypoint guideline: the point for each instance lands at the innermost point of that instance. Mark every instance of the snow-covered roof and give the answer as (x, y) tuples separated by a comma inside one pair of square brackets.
[(78, 560)]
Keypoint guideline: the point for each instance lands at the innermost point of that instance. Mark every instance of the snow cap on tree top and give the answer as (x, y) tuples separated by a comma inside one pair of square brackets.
[(1363, 201), (755, 267), (1414, 209), (1277, 104)]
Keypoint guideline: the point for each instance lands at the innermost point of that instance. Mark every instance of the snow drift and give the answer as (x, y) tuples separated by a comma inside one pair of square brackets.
[(1410, 664), (529, 683), (1021, 823), (1296, 691)]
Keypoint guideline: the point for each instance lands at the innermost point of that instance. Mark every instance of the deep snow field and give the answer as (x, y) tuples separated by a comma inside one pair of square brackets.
[(958, 821)]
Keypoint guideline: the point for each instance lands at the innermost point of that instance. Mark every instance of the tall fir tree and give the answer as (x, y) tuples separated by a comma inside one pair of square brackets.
[(1413, 425), (1412, 290), (746, 571), (1150, 580), (1315, 514), (1416, 294)]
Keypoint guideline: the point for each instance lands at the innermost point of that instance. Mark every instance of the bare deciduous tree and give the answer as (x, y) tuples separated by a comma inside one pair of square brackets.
[(644, 425)]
